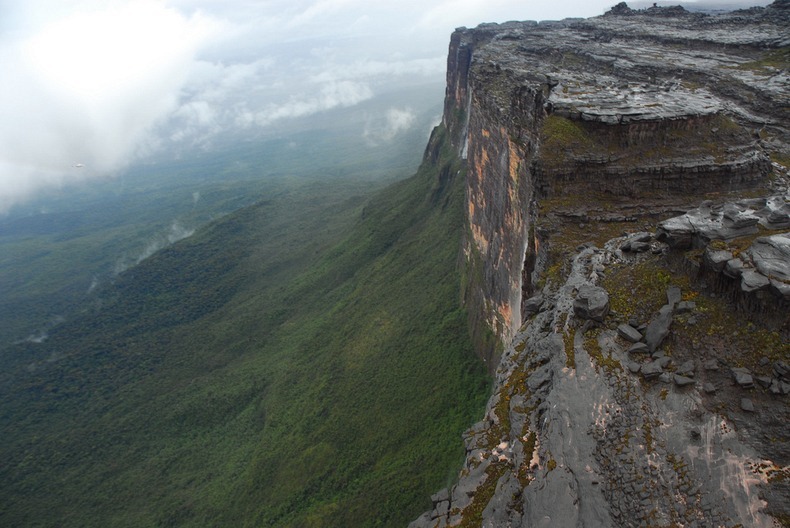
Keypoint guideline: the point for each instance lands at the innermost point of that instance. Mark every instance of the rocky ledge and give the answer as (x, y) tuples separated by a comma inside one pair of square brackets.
[(746, 243), (632, 396)]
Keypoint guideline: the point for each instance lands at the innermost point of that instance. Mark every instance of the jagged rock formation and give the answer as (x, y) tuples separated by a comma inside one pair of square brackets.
[(636, 386)]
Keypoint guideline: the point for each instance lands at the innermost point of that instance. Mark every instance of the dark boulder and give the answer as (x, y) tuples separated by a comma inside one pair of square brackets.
[(592, 302)]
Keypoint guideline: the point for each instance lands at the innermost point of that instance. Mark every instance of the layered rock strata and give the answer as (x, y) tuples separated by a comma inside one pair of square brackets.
[(636, 103), (630, 390)]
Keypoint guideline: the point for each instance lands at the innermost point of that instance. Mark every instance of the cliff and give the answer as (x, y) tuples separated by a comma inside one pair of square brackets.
[(635, 383)]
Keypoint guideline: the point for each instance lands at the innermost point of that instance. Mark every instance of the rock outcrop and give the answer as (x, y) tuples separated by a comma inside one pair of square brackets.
[(646, 103), (612, 168)]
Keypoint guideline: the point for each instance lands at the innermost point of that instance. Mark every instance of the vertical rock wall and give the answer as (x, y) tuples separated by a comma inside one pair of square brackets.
[(496, 133)]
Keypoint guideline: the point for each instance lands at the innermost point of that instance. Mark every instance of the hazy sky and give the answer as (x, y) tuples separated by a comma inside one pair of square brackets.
[(89, 86)]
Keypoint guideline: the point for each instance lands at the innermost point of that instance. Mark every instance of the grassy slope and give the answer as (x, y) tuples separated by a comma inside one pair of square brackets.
[(302, 362)]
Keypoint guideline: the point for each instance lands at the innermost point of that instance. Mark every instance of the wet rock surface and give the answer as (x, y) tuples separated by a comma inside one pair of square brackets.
[(597, 442)]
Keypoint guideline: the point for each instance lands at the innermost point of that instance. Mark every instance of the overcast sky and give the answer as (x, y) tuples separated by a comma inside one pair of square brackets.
[(89, 86)]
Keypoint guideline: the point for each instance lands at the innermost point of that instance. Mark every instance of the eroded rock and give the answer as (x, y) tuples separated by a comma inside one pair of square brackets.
[(658, 329), (592, 302)]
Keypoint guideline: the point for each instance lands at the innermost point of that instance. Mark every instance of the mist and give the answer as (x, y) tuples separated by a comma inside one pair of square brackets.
[(92, 87)]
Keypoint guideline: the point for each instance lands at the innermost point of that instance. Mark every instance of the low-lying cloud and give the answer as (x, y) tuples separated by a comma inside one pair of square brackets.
[(87, 90), (394, 122), (89, 86), (332, 95)]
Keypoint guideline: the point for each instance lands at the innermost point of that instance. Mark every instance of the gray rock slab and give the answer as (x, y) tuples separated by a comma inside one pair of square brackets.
[(651, 370), (752, 280), (709, 388), (592, 302), (733, 268), (682, 381), (638, 348), (629, 333), (743, 377), (771, 256), (711, 364), (539, 378), (686, 369), (747, 405), (674, 295), (440, 496), (716, 259), (658, 329), (782, 370), (782, 288)]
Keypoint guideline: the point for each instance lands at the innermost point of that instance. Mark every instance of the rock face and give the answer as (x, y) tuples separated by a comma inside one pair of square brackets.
[(602, 414), (633, 102)]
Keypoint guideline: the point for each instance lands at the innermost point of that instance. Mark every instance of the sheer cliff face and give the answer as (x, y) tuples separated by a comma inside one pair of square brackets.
[(633, 104), (639, 384)]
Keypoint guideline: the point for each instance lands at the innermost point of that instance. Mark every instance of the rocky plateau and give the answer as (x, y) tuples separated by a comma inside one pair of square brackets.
[(627, 255)]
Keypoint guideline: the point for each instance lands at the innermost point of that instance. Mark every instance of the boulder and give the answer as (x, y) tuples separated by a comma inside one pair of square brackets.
[(651, 370), (733, 268), (716, 259), (747, 405), (752, 280), (709, 388), (711, 364), (441, 496), (658, 329), (734, 218), (682, 381), (782, 370), (532, 305), (592, 302), (629, 333), (664, 361), (635, 367), (673, 295), (638, 348), (685, 307), (771, 256), (743, 377), (686, 369)]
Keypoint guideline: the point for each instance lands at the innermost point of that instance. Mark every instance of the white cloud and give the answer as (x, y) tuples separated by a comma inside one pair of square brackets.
[(101, 82), (383, 129), (88, 88), (332, 95)]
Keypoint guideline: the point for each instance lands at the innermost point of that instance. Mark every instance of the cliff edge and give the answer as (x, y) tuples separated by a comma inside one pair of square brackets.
[(626, 246)]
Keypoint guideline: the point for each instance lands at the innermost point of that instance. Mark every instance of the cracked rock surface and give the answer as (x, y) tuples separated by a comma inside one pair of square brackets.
[(571, 437)]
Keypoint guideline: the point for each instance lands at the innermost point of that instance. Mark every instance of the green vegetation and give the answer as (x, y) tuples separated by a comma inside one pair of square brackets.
[(566, 142), (745, 339), (301, 362), (569, 338), (646, 282), (600, 359), (778, 59), (560, 136)]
